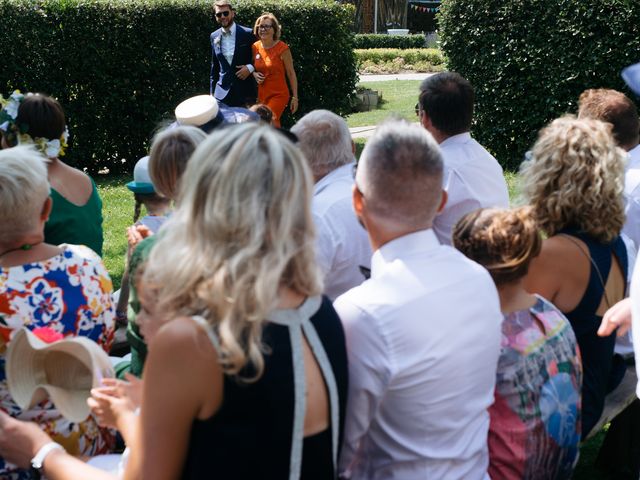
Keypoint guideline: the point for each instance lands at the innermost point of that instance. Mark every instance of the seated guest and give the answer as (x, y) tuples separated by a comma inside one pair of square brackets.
[(423, 334), (170, 152), (618, 110), (55, 291), (472, 177), (535, 420), (76, 215), (574, 182), (248, 378), (343, 246), (264, 112)]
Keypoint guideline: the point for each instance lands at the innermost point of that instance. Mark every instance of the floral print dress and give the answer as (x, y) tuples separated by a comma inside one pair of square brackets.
[(64, 296), (535, 421)]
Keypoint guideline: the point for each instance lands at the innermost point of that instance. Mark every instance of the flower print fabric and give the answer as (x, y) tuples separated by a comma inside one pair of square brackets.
[(64, 296), (535, 421)]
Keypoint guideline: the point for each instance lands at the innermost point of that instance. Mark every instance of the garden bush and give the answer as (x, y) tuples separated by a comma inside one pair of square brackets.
[(394, 60), (529, 60), (120, 67), (377, 40)]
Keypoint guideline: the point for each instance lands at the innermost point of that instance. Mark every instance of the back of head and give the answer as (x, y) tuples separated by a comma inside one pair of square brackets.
[(43, 116), (325, 140), (400, 176), (612, 107), (170, 152), (24, 187), (575, 178), (242, 231), (448, 98), (502, 241), (263, 111)]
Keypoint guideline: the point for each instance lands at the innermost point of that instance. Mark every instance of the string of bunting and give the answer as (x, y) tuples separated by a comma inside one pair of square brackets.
[(425, 9)]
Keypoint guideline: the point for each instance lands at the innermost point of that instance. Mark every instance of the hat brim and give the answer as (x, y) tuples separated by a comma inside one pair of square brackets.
[(141, 187), (31, 365)]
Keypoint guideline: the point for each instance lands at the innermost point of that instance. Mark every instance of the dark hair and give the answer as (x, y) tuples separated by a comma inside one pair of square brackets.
[(42, 115), (448, 98), (263, 111), (502, 241), (143, 199), (612, 107)]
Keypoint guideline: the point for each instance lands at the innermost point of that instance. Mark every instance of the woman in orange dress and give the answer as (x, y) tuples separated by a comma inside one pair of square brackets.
[(272, 60)]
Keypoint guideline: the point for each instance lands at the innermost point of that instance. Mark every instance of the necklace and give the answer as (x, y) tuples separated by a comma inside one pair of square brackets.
[(25, 247)]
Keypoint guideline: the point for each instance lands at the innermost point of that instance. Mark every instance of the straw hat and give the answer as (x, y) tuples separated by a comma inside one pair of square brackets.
[(65, 370), (141, 180)]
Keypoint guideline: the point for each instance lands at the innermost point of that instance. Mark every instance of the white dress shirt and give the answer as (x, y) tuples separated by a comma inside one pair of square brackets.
[(472, 178), (228, 45), (632, 196), (423, 340), (342, 243)]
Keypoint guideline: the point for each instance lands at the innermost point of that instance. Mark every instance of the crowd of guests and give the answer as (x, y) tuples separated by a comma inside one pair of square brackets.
[(294, 313)]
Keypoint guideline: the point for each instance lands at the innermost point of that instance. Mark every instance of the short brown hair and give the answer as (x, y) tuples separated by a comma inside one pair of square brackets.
[(276, 25), (223, 3), (612, 107), (502, 241), (42, 115)]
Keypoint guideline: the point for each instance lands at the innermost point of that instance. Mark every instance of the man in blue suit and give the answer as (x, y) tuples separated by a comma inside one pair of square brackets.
[(231, 79)]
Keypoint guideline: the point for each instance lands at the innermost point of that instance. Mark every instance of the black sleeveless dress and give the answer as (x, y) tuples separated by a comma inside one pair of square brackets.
[(600, 373), (257, 432)]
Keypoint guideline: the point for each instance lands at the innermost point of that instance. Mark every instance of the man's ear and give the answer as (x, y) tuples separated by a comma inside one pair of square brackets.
[(443, 201), (46, 209), (356, 198), (353, 147)]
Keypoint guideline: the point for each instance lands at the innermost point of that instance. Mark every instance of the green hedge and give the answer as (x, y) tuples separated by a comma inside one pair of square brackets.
[(413, 55), (120, 67), (529, 60), (373, 40)]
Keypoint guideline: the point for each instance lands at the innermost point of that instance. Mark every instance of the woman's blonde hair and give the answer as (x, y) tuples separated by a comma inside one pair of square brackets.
[(575, 178), (242, 231), (277, 29), (170, 151), (502, 241)]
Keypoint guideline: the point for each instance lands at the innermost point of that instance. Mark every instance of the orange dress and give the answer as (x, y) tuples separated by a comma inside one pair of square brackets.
[(273, 92)]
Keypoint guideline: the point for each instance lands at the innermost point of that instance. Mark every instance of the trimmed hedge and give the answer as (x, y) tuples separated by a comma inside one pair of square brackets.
[(377, 40), (394, 60), (529, 60), (119, 68)]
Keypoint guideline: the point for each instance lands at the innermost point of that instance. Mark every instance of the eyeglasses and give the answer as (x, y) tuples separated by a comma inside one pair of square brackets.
[(264, 27), (222, 14)]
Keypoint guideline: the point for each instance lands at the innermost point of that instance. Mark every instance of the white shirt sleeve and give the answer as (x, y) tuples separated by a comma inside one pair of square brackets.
[(369, 374)]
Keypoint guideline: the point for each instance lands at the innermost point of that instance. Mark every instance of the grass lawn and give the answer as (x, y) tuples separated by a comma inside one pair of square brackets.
[(399, 98)]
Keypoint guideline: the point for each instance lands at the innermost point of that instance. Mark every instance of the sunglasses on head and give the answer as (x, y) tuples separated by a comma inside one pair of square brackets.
[(222, 14)]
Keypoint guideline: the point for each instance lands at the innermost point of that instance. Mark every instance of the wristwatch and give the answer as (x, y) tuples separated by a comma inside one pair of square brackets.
[(37, 461)]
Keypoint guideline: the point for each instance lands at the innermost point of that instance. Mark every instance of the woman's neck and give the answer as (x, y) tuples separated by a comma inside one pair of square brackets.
[(30, 248), (268, 43), (513, 297)]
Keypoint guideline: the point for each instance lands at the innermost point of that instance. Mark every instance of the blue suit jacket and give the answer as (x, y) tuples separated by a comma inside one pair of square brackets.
[(224, 85)]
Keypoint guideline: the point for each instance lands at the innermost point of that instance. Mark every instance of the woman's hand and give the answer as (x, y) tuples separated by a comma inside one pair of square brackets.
[(618, 316), (259, 77), (293, 104), (115, 401), (20, 441), (137, 233)]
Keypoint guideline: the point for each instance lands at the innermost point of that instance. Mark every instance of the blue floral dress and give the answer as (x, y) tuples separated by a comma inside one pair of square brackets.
[(535, 421), (64, 296)]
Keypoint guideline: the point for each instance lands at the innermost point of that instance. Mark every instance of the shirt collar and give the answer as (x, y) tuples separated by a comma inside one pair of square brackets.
[(232, 30), (330, 177), (402, 247), (459, 138)]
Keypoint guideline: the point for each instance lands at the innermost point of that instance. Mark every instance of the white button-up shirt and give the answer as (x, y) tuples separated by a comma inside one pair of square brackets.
[(632, 196), (342, 243), (472, 178), (423, 340), (228, 43)]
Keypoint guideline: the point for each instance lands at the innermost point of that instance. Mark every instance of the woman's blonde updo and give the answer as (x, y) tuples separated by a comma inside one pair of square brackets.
[(502, 241), (575, 178), (243, 230)]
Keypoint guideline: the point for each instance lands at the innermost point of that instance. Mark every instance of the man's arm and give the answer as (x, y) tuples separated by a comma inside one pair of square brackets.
[(369, 375), (215, 67)]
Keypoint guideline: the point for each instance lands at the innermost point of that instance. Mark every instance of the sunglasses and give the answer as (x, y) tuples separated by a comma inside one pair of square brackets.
[(264, 27), (417, 107), (222, 14)]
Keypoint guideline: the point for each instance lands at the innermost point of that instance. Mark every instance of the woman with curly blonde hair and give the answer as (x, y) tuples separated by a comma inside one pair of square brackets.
[(534, 431), (574, 183)]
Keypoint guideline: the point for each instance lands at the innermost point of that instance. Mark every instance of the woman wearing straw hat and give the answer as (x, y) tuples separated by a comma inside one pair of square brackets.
[(55, 291), (248, 379)]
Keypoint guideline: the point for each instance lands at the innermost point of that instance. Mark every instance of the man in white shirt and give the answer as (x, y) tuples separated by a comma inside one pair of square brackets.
[(472, 177), (423, 334), (342, 243), (617, 109)]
